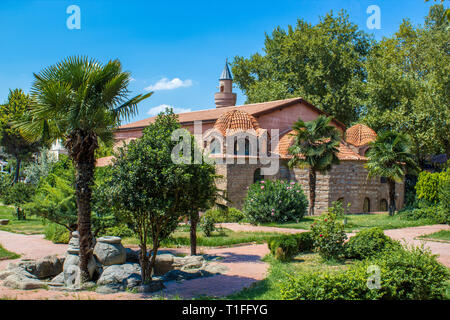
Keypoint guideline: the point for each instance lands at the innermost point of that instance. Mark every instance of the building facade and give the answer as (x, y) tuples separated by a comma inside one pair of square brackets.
[(242, 139)]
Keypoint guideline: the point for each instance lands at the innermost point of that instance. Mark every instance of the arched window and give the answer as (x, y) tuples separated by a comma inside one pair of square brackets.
[(214, 147), (366, 205), (238, 151), (221, 88), (383, 180), (341, 200), (257, 176), (383, 205)]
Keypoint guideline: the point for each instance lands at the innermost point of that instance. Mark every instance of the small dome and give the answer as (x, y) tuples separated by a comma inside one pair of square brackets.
[(236, 121), (359, 135)]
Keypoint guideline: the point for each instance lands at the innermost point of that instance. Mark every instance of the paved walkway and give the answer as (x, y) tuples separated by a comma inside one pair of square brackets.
[(243, 263), (240, 227)]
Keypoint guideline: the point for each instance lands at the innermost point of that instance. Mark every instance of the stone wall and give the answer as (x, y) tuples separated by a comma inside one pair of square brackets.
[(347, 181)]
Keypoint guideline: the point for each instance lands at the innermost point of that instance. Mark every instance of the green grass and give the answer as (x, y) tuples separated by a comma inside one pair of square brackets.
[(31, 225), (268, 289), (224, 238), (440, 235), (6, 255), (357, 222)]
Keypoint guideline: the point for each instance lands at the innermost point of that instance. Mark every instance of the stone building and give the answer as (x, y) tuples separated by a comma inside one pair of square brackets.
[(244, 139)]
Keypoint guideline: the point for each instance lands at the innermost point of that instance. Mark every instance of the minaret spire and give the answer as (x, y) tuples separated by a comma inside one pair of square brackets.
[(225, 97)]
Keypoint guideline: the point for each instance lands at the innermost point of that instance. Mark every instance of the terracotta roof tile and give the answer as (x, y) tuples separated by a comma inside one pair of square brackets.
[(235, 121), (345, 153), (359, 135)]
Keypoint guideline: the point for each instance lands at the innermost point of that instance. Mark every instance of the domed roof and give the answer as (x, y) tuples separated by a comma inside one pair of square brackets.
[(236, 121), (359, 135)]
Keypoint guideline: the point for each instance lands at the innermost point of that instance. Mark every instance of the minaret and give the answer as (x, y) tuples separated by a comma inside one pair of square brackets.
[(225, 97)]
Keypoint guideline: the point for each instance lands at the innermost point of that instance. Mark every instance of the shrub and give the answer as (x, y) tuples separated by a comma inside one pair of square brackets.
[(444, 198), (5, 184), (207, 222), (405, 274), (228, 215), (367, 243), (433, 214), (56, 233), (18, 195), (120, 230), (428, 185), (285, 247), (274, 201), (329, 236)]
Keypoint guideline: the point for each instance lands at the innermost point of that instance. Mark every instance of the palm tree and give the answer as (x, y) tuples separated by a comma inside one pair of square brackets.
[(316, 147), (390, 157), (81, 101)]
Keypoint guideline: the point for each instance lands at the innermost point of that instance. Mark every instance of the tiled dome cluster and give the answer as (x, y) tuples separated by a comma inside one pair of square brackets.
[(359, 135), (236, 121)]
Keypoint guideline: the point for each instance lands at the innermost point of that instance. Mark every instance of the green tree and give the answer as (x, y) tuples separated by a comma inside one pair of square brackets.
[(408, 86), (148, 188), (390, 157), (81, 101), (315, 147), (322, 63), (11, 139)]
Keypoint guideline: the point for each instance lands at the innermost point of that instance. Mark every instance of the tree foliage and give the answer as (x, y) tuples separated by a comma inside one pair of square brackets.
[(322, 63), (148, 187), (11, 139), (408, 85)]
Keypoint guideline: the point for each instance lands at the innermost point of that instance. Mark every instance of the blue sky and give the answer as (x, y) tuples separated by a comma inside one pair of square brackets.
[(179, 46)]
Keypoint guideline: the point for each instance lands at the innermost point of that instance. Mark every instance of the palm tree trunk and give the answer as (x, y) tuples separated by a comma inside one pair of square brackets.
[(312, 191), (391, 184), (84, 180), (193, 232), (17, 173)]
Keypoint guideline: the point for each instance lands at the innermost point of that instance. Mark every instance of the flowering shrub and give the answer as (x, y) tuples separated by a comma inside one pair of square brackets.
[(275, 201), (329, 236)]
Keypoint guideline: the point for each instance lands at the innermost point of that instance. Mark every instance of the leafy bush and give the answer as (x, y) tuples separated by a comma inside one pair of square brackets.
[(444, 198), (228, 215), (18, 195), (329, 236), (405, 273), (285, 247), (434, 214), (207, 222), (367, 243), (5, 183), (428, 185), (56, 233), (274, 201), (120, 230)]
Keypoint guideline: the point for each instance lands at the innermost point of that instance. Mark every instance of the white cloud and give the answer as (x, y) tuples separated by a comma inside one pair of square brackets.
[(155, 110), (166, 84)]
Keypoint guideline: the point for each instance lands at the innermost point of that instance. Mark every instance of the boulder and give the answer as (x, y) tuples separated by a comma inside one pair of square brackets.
[(49, 266), (155, 285), (58, 280), (72, 271), (127, 275), (188, 262), (180, 275), (23, 280), (4, 222), (109, 251), (163, 264), (132, 256)]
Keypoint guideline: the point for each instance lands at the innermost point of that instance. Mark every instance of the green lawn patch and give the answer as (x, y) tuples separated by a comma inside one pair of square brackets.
[(440, 235), (6, 255), (218, 238), (31, 225), (268, 289), (357, 222)]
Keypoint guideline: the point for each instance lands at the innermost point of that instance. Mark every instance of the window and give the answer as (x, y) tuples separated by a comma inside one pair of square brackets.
[(383, 180), (341, 200), (221, 88), (383, 205), (214, 147), (246, 150), (257, 176), (366, 205)]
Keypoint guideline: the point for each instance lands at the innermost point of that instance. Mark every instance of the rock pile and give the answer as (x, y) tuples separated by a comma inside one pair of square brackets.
[(112, 268)]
